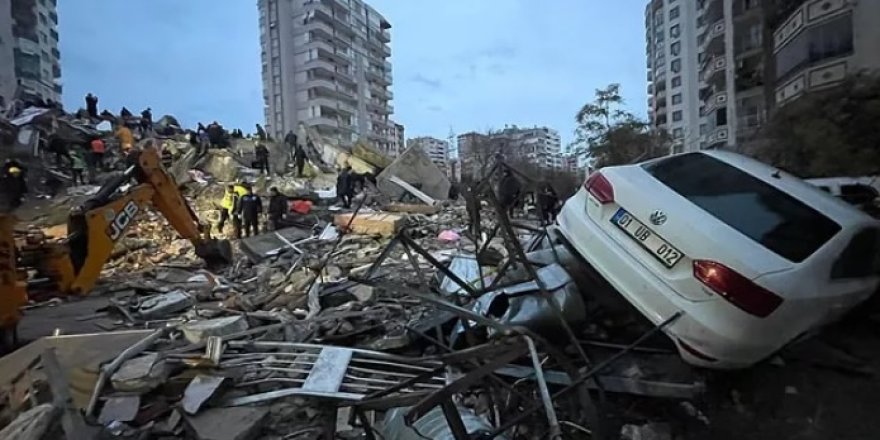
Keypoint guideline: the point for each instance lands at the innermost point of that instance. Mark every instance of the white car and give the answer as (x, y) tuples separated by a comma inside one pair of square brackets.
[(752, 256)]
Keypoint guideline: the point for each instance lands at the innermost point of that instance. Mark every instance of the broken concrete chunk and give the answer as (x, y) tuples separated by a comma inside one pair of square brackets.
[(384, 224), (140, 374), (198, 331), (414, 166), (120, 409), (199, 390), (649, 431), (31, 424), (159, 306), (237, 423)]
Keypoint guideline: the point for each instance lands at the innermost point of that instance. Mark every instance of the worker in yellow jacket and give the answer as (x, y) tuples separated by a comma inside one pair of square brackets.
[(227, 206)]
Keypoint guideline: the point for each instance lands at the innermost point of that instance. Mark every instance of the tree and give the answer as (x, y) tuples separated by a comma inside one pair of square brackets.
[(827, 133), (614, 136)]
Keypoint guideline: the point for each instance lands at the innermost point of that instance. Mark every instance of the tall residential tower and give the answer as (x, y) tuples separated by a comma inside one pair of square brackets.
[(29, 58), (325, 63)]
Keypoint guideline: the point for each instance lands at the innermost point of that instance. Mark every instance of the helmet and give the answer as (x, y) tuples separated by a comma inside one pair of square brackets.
[(14, 171)]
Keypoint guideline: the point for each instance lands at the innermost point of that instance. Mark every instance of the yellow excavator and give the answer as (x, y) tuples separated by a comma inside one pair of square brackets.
[(72, 266)]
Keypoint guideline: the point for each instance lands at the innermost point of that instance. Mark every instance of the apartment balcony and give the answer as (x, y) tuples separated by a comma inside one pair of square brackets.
[(321, 83), (322, 64), (711, 12), (322, 122), (384, 36), (714, 102), (713, 68), (320, 28), (718, 135), (714, 43)]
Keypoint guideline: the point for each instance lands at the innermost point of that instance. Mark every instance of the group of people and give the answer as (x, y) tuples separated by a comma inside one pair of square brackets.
[(243, 208)]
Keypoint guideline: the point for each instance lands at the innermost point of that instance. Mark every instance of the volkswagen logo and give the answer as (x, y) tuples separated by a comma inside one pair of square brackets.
[(658, 217)]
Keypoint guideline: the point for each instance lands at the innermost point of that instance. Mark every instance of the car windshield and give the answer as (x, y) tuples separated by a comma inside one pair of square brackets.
[(765, 214)]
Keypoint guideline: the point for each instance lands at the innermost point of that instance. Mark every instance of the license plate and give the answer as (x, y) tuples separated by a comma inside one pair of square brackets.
[(653, 243)]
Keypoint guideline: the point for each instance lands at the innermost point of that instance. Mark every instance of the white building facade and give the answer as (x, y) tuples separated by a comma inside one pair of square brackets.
[(325, 63), (30, 61), (436, 149), (673, 81)]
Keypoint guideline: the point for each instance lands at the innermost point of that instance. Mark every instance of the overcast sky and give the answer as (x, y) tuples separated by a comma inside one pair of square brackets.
[(458, 64)]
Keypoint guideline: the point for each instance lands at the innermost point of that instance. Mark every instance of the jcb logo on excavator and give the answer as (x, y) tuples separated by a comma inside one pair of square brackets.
[(122, 220)]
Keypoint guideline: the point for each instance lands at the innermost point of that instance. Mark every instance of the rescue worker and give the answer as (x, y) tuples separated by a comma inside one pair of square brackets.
[(299, 157), (262, 154), (14, 184), (147, 120), (508, 191), (261, 133), (277, 208), (126, 139), (227, 205), (92, 105), (547, 203), (344, 187), (98, 149), (77, 165), (250, 206)]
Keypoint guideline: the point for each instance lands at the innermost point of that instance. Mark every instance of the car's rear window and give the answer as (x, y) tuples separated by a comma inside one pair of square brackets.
[(763, 213)]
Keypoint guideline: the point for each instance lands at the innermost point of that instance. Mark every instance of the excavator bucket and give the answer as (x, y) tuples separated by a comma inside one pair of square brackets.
[(216, 252)]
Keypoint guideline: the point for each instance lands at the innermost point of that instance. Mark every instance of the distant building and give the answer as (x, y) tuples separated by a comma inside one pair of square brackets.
[(29, 56), (398, 134), (436, 149), (540, 146), (325, 64)]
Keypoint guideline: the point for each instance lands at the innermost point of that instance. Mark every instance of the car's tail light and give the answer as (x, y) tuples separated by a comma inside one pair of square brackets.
[(737, 289), (597, 185)]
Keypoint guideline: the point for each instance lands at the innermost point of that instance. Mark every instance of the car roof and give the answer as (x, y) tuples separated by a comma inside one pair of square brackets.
[(841, 212)]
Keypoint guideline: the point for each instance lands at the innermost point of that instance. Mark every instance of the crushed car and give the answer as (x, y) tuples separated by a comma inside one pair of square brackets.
[(754, 257)]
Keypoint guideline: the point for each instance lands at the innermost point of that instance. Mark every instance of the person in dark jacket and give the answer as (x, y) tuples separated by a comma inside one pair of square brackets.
[(277, 208), (92, 105), (299, 158), (13, 177), (508, 192), (250, 206), (261, 133), (344, 186), (262, 154), (147, 120), (547, 202)]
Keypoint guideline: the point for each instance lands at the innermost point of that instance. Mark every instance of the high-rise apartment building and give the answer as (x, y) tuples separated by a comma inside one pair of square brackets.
[(325, 63), (818, 44), (540, 146), (436, 149), (398, 143), (29, 58), (673, 80)]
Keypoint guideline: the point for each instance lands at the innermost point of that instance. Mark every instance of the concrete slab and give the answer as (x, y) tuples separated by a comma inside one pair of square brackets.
[(263, 246), (236, 423), (414, 167), (199, 331), (140, 374)]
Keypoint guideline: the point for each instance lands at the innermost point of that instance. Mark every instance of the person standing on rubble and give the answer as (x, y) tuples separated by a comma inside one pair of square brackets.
[(547, 202), (261, 133), (227, 207), (290, 141), (344, 187), (77, 165), (92, 105), (299, 158), (98, 149), (277, 208), (262, 154), (147, 121), (250, 206), (14, 181), (508, 191)]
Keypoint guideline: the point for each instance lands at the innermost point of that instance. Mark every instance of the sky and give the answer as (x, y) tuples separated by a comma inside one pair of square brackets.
[(458, 65)]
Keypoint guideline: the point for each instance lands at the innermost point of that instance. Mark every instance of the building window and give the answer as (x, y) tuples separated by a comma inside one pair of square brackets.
[(673, 13), (676, 81), (675, 49), (827, 40), (678, 133), (676, 116), (721, 117), (676, 99), (675, 31), (675, 65)]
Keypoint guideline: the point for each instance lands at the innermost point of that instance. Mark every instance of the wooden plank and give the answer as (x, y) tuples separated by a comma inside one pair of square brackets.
[(384, 224), (329, 370)]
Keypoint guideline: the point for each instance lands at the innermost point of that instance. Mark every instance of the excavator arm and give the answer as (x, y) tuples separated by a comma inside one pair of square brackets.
[(102, 220)]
